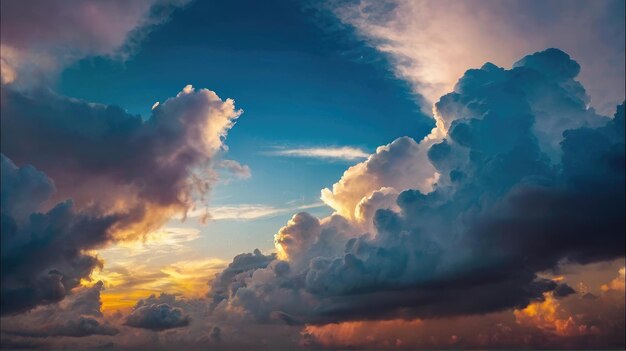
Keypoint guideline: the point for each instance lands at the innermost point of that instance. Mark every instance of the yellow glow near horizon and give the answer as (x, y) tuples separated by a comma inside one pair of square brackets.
[(159, 263)]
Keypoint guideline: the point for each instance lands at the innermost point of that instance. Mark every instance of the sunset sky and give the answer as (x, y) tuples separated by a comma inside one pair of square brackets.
[(416, 174)]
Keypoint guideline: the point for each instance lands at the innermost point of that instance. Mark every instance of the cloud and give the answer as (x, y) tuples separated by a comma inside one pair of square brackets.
[(78, 316), (157, 317), (126, 179), (220, 288), (384, 198), (340, 153), (42, 258), (236, 169), (507, 205), (400, 165), (618, 283), (431, 43), (148, 173), (247, 211), (36, 54), (564, 324)]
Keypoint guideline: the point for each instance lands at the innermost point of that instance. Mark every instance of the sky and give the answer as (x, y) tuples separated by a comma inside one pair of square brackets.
[(312, 175)]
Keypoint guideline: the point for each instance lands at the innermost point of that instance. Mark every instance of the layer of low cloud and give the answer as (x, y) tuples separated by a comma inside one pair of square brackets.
[(78, 316), (561, 323), (346, 153)]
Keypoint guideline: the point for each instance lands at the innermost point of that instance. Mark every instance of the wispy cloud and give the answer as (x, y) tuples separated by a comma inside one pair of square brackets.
[(406, 31), (339, 153), (248, 211), (235, 169)]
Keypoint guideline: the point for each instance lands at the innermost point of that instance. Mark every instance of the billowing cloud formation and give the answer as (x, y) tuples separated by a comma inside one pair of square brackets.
[(42, 257), (124, 164), (558, 104), (401, 165), (431, 43), (507, 203), (156, 316), (70, 30), (242, 264), (123, 177)]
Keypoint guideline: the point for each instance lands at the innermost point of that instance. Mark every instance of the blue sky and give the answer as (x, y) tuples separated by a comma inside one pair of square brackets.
[(301, 79)]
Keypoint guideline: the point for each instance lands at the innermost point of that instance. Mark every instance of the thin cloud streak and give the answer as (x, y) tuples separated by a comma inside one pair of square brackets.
[(248, 211), (347, 153)]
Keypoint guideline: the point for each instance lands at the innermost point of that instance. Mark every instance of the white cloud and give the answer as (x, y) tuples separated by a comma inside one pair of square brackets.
[(400, 165), (247, 211), (340, 153)]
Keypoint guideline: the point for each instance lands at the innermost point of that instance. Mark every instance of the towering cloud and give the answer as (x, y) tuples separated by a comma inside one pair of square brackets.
[(507, 203)]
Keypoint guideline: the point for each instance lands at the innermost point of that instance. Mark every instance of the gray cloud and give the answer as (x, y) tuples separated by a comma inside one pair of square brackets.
[(127, 177), (157, 317), (41, 252), (79, 316), (508, 204)]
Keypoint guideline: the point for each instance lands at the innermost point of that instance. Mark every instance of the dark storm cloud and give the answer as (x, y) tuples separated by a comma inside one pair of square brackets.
[(529, 177), (41, 252)]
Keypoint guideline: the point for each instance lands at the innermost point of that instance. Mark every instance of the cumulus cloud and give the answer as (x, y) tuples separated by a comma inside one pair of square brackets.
[(400, 165), (507, 204), (431, 43), (384, 198), (42, 258), (157, 317), (35, 54), (220, 288), (123, 177), (144, 169), (341, 153)]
